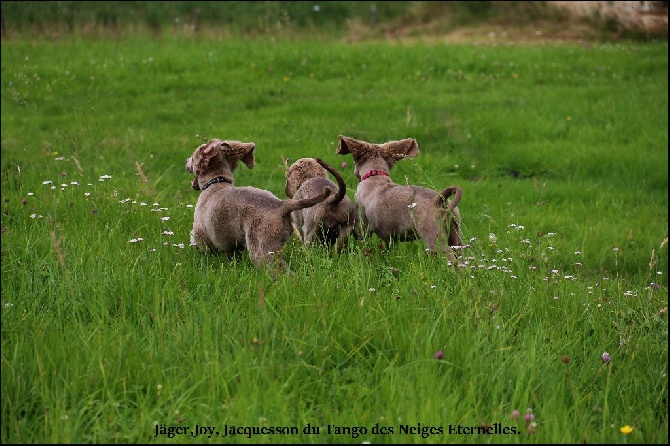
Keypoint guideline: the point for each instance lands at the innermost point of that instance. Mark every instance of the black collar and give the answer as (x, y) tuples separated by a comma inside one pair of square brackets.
[(216, 180)]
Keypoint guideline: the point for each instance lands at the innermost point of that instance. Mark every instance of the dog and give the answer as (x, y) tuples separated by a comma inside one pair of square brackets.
[(229, 218), (401, 213), (331, 221)]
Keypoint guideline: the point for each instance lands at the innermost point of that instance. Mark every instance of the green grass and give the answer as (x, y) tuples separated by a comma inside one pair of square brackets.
[(562, 155)]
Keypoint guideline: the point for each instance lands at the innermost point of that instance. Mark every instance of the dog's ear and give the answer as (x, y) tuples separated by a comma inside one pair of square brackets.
[(207, 152), (396, 150), (348, 145), (288, 189), (244, 151)]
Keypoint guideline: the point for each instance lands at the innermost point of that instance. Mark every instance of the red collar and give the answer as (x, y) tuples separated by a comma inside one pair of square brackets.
[(373, 173)]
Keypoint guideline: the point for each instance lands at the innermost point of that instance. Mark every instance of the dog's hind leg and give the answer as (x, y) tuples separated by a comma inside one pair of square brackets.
[(196, 242), (265, 242)]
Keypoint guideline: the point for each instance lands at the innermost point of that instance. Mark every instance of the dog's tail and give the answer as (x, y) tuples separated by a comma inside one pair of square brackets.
[(342, 187), (295, 205), (456, 191)]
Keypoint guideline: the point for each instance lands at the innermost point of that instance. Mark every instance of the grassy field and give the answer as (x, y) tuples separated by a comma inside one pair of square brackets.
[(115, 330)]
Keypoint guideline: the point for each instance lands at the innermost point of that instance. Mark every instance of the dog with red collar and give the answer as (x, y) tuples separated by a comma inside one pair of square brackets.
[(400, 213)]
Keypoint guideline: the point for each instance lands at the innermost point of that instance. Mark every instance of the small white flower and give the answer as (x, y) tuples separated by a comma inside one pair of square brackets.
[(167, 233), (492, 238), (411, 206), (372, 290), (165, 218)]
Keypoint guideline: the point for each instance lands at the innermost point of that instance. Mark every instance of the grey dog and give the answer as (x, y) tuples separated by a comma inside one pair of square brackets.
[(396, 212), (229, 218)]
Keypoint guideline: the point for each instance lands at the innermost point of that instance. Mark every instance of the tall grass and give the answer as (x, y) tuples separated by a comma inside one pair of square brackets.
[(113, 326)]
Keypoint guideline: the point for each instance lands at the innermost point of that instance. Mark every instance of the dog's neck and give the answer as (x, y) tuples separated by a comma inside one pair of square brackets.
[(374, 172), (219, 179)]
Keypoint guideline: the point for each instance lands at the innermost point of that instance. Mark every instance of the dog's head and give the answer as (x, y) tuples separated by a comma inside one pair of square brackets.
[(299, 172), (219, 156), (390, 152)]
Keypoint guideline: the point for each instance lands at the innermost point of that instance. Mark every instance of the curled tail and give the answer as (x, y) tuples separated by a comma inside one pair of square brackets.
[(295, 205), (342, 187), (456, 191)]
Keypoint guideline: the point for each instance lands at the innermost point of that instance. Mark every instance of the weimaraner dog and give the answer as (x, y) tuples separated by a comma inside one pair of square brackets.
[(331, 221), (229, 218), (396, 212)]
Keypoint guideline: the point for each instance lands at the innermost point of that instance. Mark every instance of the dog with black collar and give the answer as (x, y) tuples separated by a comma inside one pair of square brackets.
[(230, 218)]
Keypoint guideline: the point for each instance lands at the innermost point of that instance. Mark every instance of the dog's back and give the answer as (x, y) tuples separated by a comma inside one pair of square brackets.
[(228, 215)]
